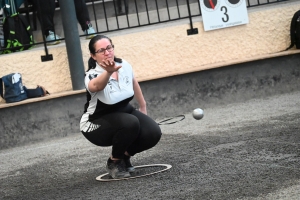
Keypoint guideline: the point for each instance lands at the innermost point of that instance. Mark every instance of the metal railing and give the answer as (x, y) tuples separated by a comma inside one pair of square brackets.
[(149, 12), (106, 17)]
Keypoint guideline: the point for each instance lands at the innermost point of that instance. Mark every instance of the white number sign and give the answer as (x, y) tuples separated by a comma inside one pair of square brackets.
[(218, 14)]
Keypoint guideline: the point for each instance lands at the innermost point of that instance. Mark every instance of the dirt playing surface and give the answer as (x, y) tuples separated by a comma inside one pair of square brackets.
[(247, 150)]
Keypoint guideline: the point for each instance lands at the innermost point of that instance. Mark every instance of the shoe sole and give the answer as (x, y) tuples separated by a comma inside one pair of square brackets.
[(123, 176), (90, 36), (126, 175), (53, 43)]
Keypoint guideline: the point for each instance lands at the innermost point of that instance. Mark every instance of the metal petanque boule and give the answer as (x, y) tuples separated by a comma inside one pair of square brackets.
[(198, 113)]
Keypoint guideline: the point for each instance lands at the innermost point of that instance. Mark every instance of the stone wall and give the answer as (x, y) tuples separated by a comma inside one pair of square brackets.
[(165, 50)]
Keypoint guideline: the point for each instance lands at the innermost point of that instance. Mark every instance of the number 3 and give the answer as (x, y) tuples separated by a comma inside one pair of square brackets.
[(225, 13)]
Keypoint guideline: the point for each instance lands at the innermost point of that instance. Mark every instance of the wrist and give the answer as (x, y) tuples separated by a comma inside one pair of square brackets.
[(143, 104), (109, 73)]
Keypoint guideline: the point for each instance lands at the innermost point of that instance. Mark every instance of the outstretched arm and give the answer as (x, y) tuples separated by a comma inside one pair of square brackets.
[(99, 83), (139, 96)]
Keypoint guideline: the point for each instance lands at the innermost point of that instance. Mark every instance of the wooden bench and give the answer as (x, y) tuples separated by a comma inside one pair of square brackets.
[(48, 97)]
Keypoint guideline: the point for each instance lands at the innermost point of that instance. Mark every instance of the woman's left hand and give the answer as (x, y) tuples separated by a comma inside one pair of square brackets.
[(143, 110)]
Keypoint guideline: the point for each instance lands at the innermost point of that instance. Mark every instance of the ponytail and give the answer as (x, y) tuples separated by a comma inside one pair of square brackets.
[(91, 64)]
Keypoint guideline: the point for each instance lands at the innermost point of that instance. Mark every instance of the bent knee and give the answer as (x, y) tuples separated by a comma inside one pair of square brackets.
[(155, 136), (131, 125)]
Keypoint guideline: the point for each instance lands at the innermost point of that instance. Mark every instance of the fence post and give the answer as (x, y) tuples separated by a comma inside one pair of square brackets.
[(73, 46), (191, 31), (48, 56)]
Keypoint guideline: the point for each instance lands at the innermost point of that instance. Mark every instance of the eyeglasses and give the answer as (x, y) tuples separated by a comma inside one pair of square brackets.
[(109, 48)]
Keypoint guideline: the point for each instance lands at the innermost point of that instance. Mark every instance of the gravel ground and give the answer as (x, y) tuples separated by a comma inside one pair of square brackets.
[(244, 150)]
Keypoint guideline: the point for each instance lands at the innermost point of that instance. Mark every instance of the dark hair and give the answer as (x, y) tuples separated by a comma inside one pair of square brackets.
[(92, 62)]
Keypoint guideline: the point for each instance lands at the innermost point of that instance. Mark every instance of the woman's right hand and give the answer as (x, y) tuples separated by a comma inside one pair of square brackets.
[(110, 66)]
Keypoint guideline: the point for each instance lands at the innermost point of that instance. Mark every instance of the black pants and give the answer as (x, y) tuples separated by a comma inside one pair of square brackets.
[(46, 9), (130, 131)]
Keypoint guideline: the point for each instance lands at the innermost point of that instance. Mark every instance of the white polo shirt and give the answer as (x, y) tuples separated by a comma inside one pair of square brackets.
[(115, 95)]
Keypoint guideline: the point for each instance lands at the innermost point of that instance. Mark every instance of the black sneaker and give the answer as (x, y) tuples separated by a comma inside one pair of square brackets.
[(128, 164), (116, 169)]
